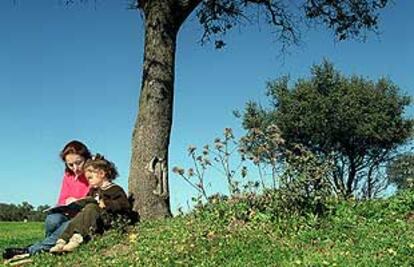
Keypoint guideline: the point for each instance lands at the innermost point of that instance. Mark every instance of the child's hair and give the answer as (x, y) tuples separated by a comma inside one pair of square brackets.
[(75, 147), (99, 162)]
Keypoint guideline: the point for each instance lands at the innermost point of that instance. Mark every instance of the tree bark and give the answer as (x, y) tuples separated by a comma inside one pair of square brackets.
[(351, 177), (369, 183), (151, 134)]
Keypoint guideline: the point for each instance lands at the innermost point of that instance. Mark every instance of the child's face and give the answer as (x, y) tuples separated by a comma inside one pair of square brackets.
[(96, 177)]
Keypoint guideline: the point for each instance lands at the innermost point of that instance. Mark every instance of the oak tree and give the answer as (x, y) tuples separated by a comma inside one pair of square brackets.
[(356, 123)]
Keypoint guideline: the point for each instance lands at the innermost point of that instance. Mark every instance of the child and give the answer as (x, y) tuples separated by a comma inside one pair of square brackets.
[(105, 200)]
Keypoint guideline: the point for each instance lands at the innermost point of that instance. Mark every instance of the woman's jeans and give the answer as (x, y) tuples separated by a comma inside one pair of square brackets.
[(55, 224)]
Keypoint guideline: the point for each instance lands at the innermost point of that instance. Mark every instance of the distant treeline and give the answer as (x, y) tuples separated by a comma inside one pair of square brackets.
[(21, 212)]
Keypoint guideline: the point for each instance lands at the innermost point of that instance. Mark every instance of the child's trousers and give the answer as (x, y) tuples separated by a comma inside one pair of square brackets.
[(84, 223)]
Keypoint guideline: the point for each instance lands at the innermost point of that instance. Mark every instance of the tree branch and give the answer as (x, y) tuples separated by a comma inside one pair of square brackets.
[(348, 18)]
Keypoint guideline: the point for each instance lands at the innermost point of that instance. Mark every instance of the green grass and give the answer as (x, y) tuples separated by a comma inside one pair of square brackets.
[(19, 233), (372, 233)]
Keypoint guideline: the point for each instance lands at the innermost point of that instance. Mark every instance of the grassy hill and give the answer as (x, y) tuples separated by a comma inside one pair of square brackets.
[(248, 232)]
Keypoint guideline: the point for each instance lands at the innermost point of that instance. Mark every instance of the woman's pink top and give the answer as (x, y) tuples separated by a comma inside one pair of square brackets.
[(73, 187)]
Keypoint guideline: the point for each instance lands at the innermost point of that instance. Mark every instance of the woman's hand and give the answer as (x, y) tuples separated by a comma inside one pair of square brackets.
[(70, 200)]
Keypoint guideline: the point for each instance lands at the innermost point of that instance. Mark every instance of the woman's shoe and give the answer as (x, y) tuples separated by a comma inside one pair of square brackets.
[(18, 260), (11, 252)]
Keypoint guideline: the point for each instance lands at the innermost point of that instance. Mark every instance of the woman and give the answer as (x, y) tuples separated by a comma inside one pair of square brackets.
[(74, 186)]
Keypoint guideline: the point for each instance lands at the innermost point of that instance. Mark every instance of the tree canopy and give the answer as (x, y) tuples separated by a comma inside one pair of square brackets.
[(353, 121), (23, 211)]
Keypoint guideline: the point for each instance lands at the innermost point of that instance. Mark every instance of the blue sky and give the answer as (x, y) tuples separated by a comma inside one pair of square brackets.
[(75, 73)]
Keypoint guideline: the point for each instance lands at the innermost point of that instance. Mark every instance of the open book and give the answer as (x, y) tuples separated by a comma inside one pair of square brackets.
[(71, 208)]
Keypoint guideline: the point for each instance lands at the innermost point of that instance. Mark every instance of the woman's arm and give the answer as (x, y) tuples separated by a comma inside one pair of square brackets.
[(64, 191)]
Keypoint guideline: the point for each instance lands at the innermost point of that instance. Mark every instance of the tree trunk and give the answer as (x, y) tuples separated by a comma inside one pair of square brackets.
[(369, 183), (351, 178), (148, 178)]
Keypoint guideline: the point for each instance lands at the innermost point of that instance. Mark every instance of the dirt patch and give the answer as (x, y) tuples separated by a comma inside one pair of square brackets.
[(117, 250), (410, 216)]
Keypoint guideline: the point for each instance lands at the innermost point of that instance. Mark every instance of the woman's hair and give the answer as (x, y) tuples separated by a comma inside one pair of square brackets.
[(75, 147), (99, 162)]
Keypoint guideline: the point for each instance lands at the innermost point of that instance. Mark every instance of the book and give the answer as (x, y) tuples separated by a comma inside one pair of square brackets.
[(72, 208), (64, 208)]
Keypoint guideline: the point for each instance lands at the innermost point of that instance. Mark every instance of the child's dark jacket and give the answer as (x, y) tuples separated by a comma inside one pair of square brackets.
[(116, 202), (114, 198)]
